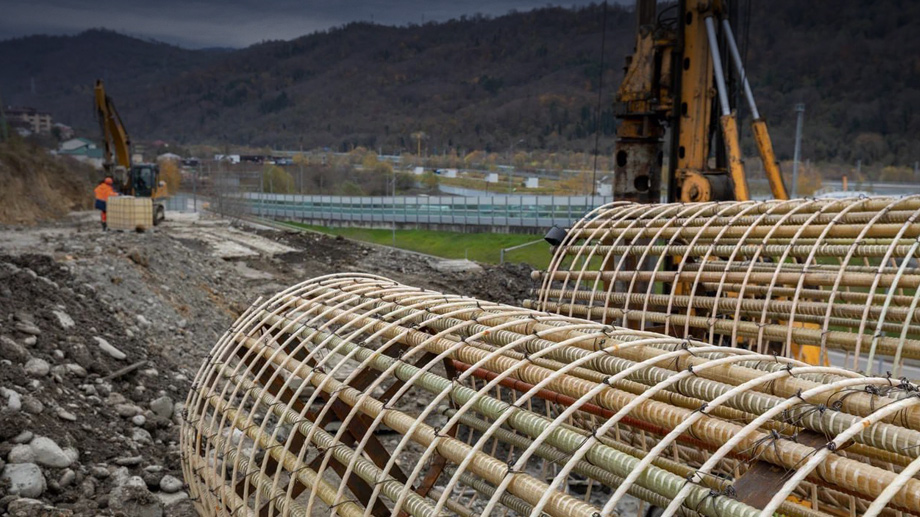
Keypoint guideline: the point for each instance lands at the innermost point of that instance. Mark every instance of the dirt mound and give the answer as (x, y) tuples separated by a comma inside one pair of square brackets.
[(324, 254), (38, 186)]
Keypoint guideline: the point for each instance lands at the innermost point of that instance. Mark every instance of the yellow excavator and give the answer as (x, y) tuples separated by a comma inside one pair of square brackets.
[(139, 179), (678, 79)]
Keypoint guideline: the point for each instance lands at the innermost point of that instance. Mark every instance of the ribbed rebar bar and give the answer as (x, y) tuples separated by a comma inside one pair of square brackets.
[(352, 395)]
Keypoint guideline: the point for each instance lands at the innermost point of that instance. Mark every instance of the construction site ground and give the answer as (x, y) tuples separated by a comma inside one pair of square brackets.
[(102, 332)]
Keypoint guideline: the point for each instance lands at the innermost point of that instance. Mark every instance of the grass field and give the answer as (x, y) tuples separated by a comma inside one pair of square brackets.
[(481, 247)]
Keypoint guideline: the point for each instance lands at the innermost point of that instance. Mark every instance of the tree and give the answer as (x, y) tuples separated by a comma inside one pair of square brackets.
[(169, 172), (276, 180), (430, 181)]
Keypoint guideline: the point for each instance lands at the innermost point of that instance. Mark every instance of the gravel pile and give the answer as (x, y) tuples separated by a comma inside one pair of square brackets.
[(100, 334)]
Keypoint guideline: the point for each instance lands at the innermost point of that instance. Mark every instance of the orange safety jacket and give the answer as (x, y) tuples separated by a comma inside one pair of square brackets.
[(104, 191)]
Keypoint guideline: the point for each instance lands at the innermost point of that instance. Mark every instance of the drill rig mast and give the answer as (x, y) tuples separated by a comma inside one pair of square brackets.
[(674, 79)]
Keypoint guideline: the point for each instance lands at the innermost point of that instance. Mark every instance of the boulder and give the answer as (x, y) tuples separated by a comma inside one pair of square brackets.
[(49, 453), (25, 479), (37, 367)]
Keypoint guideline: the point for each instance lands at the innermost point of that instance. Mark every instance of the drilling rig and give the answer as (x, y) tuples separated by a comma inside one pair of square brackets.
[(677, 84)]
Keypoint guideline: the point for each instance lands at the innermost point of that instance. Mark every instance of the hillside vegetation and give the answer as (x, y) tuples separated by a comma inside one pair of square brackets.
[(482, 83), (39, 187)]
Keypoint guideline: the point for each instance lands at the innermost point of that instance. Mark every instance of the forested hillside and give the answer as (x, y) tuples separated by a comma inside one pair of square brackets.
[(525, 79)]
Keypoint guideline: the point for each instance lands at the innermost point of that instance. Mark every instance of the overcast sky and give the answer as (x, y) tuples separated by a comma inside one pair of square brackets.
[(235, 23)]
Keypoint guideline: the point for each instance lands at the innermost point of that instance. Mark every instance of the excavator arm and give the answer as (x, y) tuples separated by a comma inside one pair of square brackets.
[(114, 135)]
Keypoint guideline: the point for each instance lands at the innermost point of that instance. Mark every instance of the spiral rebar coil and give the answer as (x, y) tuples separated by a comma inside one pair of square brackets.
[(355, 395), (776, 276)]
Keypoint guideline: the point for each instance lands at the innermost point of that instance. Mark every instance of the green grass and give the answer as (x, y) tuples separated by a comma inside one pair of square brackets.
[(481, 247)]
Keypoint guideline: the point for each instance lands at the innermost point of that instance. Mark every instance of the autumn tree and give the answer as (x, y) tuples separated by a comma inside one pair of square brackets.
[(276, 180), (169, 172)]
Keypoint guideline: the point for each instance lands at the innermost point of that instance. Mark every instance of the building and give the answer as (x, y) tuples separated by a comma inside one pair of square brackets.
[(82, 149), (64, 132), (34, 120)]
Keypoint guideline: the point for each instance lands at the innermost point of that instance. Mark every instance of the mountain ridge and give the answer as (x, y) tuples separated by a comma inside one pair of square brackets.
[(479, 82)]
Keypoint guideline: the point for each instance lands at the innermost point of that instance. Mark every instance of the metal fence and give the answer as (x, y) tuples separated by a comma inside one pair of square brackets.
[(511, 212)]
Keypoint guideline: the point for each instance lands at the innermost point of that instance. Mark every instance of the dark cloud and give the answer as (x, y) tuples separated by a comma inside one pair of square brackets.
[(234, 23)]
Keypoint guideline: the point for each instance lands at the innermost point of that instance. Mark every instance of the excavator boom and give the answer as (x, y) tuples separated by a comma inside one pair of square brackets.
[(115, 136)]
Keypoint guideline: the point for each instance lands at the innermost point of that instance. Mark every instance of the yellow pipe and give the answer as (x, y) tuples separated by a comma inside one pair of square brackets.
[(735, 165), (770, 165)]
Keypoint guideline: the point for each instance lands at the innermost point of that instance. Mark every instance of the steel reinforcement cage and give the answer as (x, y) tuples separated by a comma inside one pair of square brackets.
[(355, 395), (818, 279)]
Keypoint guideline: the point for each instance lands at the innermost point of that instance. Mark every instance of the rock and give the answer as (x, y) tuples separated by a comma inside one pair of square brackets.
[(12, 351), (99, 472), (21, 454), (139, 257), (63, 319), (134, 499), (120, 476), (13, 399), (142, 321), (49, 453), (30, 340), (63, 414), (171, 499), (141, 435), (32, 405), (82, 356), (152, 479), (25, 479), (37, 367), (109, 349), (182, 323), (170, 484), (138, 420), (23, 437), (75, 369), (25, 507), (113, 398), (28, 328), (128, 461), (67, 478), (127, 410), (88, 488), (162, 406)]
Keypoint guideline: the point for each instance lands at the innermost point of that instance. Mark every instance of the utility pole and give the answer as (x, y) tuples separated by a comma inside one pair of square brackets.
[(3, 127), (800, 111), (300, 190), (394, 207), (511, 165), (262, 192), (195, 188)]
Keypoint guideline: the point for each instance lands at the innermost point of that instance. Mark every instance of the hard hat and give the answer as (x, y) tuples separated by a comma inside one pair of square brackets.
[(108, 181)]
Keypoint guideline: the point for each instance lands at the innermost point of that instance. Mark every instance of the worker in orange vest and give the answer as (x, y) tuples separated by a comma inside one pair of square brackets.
[(103, 192)]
